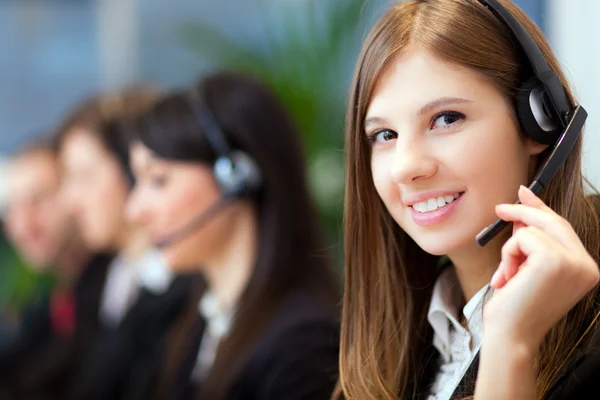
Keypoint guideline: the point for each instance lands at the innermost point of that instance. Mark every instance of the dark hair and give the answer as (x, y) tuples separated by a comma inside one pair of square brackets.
[(291, 251), (116, 136), (109, 118)]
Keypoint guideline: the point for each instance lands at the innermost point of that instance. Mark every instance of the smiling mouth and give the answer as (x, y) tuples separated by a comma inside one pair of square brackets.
[(435, 203)]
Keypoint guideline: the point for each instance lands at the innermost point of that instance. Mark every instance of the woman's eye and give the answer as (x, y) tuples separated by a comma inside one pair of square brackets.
[(383, 136), (446, 119)]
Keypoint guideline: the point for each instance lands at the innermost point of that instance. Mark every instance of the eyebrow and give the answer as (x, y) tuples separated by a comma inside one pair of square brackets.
[(441, 102), (427, 108)]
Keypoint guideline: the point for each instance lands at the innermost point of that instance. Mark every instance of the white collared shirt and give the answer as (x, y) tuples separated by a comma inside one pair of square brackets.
[(218, 322), (123, 283), (457, 345)]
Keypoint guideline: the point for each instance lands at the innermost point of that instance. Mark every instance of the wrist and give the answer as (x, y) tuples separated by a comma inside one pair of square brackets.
[(506, 370), (520, 348)]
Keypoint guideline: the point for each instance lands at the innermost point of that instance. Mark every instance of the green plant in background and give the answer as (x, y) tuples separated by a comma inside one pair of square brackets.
[(306, 59), (20, 287)]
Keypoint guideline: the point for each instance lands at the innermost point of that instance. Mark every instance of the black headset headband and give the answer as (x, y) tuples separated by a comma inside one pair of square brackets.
[(236, 172), (543, 88), (207, 121), (546, 76)]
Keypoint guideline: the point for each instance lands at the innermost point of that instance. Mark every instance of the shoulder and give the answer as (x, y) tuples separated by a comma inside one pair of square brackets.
[(581, 377), (94, 271), (303, 318), (298, 356)]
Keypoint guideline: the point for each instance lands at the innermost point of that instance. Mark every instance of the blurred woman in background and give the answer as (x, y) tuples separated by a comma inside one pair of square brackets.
[(221, 186), (140, 298)]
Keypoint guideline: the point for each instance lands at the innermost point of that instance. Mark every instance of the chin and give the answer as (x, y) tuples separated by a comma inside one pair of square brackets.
[(95, 242), (440, 243)]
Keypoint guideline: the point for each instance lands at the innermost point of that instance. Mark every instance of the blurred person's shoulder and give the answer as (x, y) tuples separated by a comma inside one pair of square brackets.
[(297, 355)]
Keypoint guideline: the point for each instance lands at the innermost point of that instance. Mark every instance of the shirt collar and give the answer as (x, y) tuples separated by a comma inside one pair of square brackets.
[(218, 319), (154, 275), (444, 306)]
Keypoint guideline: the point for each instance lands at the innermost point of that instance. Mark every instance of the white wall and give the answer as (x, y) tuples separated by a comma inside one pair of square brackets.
[(574, 33)]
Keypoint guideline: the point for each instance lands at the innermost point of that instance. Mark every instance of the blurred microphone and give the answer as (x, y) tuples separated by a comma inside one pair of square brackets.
[(194, 224)]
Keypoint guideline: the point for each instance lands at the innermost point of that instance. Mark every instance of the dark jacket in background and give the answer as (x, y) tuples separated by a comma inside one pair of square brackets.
[(39, 364), (296, 357), (123, 362)]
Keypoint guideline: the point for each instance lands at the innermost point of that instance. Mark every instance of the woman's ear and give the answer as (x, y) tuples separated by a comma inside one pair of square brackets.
[(534, 148)]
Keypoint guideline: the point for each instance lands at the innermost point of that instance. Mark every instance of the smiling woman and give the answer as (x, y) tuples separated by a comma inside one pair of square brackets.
[(221, 186), (438, 140), (447, 138)]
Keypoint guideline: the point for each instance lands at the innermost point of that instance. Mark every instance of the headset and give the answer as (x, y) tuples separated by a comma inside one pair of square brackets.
[(544, 112), (237, 174), (543, 109)]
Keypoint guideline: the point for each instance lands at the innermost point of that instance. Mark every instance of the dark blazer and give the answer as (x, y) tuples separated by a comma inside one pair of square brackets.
[(39, 364), (122, 362), (296, 357), (580, 378)]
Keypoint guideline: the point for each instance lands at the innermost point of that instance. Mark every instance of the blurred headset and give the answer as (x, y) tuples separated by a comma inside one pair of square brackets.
[(543, 109), (236, 173)]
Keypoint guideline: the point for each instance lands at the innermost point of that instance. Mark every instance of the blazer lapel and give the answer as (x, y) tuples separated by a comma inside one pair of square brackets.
[(466, 386)]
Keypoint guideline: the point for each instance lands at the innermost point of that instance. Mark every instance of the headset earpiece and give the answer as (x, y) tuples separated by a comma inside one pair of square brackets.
[(544, 110), (534, 113), (237, 174)]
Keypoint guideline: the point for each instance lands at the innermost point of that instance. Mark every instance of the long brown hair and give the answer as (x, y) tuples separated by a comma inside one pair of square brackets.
[(389, 278)]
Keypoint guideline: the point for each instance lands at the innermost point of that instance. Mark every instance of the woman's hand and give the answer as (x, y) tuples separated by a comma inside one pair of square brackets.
[(545, 270)]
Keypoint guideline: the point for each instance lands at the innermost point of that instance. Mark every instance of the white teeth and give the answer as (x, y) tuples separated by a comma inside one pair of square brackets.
[(434, 203)]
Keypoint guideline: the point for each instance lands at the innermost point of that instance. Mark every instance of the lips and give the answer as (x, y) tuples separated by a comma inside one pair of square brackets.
[(434, 203), (429, 212)]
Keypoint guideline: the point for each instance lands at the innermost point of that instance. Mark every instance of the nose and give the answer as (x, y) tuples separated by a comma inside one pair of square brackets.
[(412, 162)]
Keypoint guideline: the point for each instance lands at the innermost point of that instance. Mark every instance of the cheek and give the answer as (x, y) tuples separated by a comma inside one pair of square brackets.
[(103, 207), (495, 168), (386, 188), (190, 202), (52, 216), (193, 248)]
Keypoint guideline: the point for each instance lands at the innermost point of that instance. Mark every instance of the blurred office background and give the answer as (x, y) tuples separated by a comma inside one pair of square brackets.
[(54, 52)]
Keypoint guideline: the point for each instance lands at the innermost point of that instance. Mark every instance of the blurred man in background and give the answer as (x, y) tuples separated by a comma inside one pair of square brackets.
[(42, 231), (45, 235)]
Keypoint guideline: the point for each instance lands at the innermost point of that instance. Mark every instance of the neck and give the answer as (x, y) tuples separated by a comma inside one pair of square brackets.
[(229, 270), (475, 265)]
